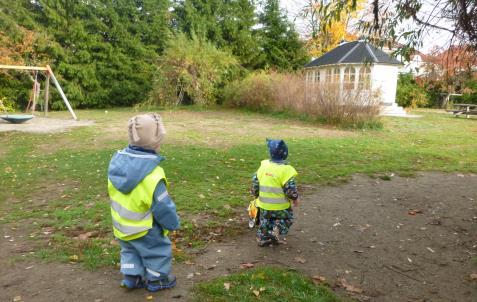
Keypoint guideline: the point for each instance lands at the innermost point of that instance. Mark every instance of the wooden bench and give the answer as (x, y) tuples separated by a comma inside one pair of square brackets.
[(464, 109)]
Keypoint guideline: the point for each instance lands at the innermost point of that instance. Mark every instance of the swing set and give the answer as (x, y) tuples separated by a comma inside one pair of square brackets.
[(35, 94)]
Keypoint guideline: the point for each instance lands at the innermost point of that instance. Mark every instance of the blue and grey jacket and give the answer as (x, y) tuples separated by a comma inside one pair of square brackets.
[(127, 170)]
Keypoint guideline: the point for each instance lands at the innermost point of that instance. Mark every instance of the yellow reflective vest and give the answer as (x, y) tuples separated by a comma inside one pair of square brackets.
[(272, 178), (131, 213)]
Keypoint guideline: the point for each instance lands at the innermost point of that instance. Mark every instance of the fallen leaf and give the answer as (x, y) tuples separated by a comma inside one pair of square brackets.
[(262, 289), (149, 298), (349, 287), (473, 277), (227, 286), (202, 196), (256, 293), (300, 260), (88, 235), (73, 258), (318, 279), (17, 298), (246, 265), (114, 242)]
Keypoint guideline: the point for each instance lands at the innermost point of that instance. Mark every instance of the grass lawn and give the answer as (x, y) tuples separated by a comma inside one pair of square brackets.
[(263, 284), (54, 185)]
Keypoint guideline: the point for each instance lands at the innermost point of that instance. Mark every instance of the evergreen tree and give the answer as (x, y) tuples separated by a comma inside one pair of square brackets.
[(103, 51), (227, 24), (280, 41)]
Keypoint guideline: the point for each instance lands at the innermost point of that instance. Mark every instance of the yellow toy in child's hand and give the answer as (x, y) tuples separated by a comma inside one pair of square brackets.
[(252, 213)]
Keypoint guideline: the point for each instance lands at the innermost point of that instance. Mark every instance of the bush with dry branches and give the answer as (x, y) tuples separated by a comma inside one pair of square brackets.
[(289, 93)]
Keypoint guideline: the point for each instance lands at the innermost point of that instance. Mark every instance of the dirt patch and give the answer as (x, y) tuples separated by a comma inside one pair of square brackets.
[(43, 125), (223, 128), (407, 239)]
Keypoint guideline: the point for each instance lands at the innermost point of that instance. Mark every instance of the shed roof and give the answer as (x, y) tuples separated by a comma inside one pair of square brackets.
[(357, 52)]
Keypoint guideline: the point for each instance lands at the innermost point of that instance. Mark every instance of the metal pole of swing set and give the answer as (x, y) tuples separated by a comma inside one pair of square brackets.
[(63, 96)]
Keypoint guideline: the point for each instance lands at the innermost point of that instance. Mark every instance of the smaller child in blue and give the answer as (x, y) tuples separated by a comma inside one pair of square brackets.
[(275, 190), (141, 208)]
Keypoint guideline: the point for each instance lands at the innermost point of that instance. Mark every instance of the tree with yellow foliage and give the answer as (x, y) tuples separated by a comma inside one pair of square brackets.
[(325, 36)]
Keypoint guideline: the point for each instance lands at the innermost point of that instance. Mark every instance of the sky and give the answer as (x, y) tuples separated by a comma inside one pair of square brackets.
[(432, 39)]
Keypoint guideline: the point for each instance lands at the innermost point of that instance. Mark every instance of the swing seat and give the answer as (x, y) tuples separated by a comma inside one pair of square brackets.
[(17, 118)]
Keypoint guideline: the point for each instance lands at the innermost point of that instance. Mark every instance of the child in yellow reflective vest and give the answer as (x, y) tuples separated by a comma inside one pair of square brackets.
[(275, 190), (142, 210)]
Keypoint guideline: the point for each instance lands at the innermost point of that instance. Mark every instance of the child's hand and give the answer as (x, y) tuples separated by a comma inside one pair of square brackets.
[(296, 202)]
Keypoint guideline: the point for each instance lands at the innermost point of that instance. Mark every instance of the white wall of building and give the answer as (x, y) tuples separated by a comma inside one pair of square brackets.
[(384, 78)]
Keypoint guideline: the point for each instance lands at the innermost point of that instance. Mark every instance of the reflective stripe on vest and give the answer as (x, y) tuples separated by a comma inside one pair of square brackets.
[(125, 213), (272, 177), (131, 212), (129, 230), (267, 189), (274, 200)]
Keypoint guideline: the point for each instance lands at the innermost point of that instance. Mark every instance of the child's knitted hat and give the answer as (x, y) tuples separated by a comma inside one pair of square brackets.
[(278, 149), (146, 131)]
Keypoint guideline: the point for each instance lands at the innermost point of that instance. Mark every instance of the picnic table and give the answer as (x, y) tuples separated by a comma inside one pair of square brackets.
[(466, 109)]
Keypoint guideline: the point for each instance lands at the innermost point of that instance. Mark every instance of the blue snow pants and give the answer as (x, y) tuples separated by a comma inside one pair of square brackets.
[(149, 256)]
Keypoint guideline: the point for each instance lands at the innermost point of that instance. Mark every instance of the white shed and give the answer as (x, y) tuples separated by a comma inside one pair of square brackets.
[(359, 65)]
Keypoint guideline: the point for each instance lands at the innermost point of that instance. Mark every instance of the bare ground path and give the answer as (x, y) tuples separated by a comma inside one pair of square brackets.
[(408, 239)]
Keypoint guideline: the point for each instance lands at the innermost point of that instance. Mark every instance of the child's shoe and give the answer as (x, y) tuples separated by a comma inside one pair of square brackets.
[(265, 242), (154, 286), (251, 223), (132, 282), (275, 232)]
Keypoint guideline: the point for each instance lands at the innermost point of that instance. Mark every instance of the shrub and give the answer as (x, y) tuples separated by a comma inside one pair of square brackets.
[(6, 105), (191, 71), (469, 95), (254, 92), (279, 92), (436, 93), (409, 93)]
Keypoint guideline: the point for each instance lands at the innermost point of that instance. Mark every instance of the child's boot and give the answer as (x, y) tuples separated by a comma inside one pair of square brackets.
[(157, 285), (275, 235), (132, 282)]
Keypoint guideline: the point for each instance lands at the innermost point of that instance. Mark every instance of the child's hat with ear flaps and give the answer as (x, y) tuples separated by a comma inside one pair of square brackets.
[(278, 149), (146, 131)]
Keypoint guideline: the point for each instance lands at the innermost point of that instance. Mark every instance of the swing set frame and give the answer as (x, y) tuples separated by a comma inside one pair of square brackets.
[(49, 74)]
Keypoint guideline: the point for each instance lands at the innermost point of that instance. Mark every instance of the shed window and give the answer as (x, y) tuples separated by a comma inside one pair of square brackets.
[(364, 78), (328, 75), (309, 76), (349, 76), (317, 77), (336, 75)]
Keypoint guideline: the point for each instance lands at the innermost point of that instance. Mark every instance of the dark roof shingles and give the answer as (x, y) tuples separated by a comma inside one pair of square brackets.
[(359, 54)]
